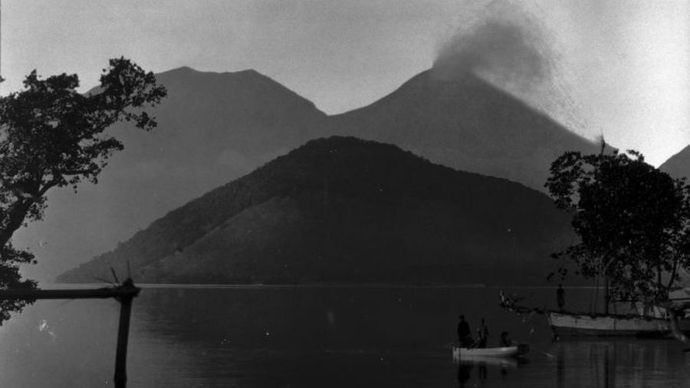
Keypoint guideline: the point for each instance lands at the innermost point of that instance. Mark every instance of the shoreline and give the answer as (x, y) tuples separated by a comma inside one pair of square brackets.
[(305, 285)]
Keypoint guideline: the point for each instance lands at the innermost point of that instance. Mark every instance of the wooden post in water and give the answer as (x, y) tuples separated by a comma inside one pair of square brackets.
[(123, 336), (124, 293), (607, 296)]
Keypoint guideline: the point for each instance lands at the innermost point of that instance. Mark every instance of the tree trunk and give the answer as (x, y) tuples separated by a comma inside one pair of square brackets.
[(676, 262), (658, 281), (16, 217)]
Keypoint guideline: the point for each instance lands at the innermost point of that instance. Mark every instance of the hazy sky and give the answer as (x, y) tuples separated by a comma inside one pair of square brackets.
[(619, 67)]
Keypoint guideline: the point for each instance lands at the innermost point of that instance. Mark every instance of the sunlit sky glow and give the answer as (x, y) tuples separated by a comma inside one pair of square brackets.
[(624, 65)]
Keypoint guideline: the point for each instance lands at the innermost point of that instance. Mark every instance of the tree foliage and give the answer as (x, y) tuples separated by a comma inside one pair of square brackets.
[(53, 136), (632, 220)]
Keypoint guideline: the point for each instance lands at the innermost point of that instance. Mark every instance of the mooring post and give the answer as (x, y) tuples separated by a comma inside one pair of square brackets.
[(124, 293), (123, 334)]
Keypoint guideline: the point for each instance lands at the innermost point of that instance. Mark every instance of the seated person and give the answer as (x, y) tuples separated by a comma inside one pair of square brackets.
[(505, 339), (468, 342), (481, 339)]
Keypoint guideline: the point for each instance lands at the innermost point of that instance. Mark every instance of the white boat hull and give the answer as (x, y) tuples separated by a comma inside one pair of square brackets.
[(569, 324), (473, 353)]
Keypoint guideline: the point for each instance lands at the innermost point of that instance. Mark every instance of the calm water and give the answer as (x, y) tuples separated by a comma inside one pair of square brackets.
[(314, 337)]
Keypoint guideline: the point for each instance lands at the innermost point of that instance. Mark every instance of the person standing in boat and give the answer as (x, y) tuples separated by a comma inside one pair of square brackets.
[(464, 332), (484, 334), (560, 297)]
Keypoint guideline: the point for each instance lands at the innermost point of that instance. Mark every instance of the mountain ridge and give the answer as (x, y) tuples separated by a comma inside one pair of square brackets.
[(678, 165), (213, 127), (466, 123), (217, 126)]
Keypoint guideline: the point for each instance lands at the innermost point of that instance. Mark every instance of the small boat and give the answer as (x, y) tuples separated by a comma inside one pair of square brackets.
[(498, 352), (503, 362)]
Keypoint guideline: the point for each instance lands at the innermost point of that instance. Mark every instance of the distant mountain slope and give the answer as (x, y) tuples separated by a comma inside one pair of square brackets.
[(348, 210), (468, 124), (678, 165), (213, 127)]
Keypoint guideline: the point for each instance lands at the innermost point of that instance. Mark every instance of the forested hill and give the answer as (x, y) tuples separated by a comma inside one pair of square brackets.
[(347, 210)]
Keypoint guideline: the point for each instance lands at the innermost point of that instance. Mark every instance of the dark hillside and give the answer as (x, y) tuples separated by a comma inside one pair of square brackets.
[(348, 210)]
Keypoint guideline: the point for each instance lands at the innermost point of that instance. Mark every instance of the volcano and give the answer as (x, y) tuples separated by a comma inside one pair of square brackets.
[(468, 124)]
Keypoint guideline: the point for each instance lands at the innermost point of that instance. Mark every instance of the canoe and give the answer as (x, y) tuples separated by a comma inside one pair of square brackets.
[(501, 352)]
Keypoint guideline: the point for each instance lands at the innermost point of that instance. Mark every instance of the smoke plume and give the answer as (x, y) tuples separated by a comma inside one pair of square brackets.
[(502, 43), (495, 49), (508, 47)]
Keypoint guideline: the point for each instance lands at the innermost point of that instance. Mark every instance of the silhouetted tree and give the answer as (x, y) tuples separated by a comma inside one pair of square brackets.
[(632, 220), (53, 136)]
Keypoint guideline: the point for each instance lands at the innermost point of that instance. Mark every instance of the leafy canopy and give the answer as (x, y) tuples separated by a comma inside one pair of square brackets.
[(632, 220), (53, 136)]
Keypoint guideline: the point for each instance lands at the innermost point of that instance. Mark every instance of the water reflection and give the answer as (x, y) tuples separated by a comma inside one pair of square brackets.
[(498, 366), (314, 337), (347, 337), (621, 363), (560, 367), (601, 363), (464, 373)]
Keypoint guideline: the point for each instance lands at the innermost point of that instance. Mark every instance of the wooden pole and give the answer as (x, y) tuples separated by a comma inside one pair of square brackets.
[(607, 297), (122, 337), (123, 293)]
